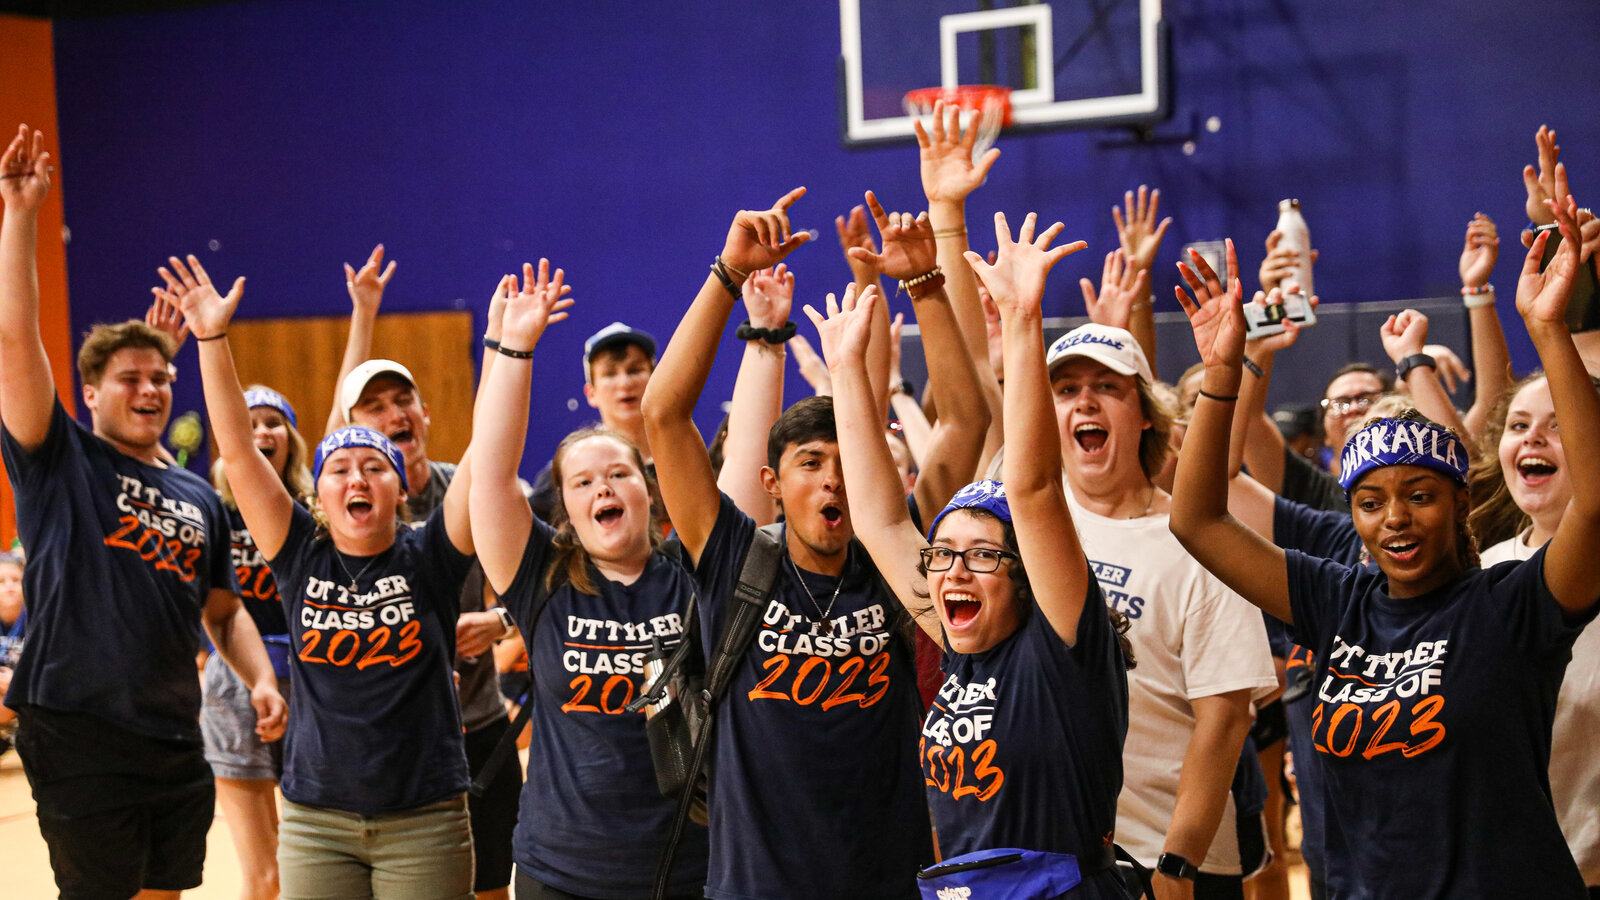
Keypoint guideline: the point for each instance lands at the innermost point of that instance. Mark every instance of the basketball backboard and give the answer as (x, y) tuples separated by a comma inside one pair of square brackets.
[(1080, 63)]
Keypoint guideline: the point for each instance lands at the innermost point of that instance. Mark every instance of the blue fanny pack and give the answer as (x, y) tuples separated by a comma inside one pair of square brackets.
[(278, 650), (1001, 874)]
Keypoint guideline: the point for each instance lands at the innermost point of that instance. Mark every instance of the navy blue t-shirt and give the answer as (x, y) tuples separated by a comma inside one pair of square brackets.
[(121, 557), (1023, 746), (257, 590), (1432, 722), (373, 722), (815, 788), (12, 636), (592, 820)]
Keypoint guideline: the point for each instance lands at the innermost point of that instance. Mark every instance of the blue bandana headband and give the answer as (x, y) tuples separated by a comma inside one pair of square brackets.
[(272, 400), (987, 495), (1396, 442), (356, 436)]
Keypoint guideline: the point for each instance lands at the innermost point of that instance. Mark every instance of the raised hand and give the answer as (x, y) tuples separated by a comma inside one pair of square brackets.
[(1272, 343), (497, 307), (1452, 372), (25, 172), (1121, 284), (847, 328), (366, 286), (1588, 235), (909, 249), (190, 289), (1404, 335), (1016, 280), (759, 239), (165, 316), (1215, 313), (896, 329), (542, 300), (768, 296), (855, 232), (1479, 253), (1542, 296), (993, 333), (811, 366), (949, 172), (1281, 262), (1137, 229), (1541, 182)]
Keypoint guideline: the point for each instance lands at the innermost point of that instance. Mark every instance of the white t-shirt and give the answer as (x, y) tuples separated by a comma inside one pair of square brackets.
[(1192, 637), (1574, 766)]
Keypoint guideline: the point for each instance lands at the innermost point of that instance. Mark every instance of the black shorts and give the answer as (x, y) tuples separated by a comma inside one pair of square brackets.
[(494, 815), (121, 812)]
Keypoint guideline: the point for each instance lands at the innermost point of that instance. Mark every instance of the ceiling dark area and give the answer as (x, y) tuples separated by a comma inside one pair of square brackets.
[(68, 9)]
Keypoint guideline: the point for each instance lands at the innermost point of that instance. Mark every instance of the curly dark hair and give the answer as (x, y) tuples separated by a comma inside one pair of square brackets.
[(1024, 589)]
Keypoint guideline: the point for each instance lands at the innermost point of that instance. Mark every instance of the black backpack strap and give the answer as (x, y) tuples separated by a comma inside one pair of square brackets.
[(739, 626), (508, 741), (1140, 870)]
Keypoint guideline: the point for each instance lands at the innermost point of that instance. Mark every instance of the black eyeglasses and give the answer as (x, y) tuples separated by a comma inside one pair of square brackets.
[(977, 559)]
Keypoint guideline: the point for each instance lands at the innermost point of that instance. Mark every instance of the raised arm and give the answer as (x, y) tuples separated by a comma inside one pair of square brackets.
[(1122, 286), (1404, 335), (264, 502), (757, 396), (1542, 299), (877, 507), (1491, 361), (854, 234), (500, 425), (1051, 552), (366, 295), (1140, 236), (1251, 565), (1254, 439), (27, 391), (949, 176), (756, 240), (955, 446), (811, 366), (903, 402)]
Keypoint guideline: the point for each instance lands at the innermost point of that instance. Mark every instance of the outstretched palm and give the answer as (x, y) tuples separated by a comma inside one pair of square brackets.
[(1542, 296), (846, 329), (542, 300), (1016, 279), (949, 173), (1215, 313), (768, 296), (1137, 228), (908, 245), (25, 171), (190, 289)]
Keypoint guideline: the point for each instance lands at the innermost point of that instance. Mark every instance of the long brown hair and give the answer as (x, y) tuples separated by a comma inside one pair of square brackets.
[(571, 562), (1495, 515), (296, 475)]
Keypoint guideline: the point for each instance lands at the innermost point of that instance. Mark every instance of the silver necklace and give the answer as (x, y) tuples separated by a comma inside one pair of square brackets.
[(353, 578), (827, 623)]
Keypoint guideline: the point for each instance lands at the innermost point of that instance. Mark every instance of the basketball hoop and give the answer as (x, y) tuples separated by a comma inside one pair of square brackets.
[(988, 104)]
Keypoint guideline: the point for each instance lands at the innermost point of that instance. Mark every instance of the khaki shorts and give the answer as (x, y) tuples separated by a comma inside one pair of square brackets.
[(420, 854)]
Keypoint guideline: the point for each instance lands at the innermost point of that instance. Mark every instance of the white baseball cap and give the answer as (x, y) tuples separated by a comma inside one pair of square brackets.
[(1115, 348), (360, 376)]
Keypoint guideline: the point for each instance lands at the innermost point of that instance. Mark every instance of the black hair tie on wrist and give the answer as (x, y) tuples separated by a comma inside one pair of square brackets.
[(1224, 399), (514, 354), (748, 332)]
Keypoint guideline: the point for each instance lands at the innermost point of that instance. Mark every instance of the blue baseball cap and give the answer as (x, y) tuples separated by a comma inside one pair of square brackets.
[(987, 495), (1401, 442), (271, 399), (614, 335), (357, 436)]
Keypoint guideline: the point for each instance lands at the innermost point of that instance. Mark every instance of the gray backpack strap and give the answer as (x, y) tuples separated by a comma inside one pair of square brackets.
[(756, 579)]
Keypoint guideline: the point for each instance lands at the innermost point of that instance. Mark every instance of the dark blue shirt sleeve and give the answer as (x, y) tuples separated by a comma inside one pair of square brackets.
[(1535, 623), (1318, 589), (536, 555), (1318, 532)]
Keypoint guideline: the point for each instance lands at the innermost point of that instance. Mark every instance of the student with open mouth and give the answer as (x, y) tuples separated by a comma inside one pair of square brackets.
[(1527, 477), (1435, 680), (1022, 748), (592, 594), (375, 773)]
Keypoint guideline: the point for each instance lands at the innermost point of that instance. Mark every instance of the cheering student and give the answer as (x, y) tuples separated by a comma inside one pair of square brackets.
[(1433, 677), (1022, 748), (126, 562), (247, 768), (1527, 476), (375, 773), (592, 821)]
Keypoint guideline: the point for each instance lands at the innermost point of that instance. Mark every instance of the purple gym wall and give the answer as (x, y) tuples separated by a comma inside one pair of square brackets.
[(617, 138)]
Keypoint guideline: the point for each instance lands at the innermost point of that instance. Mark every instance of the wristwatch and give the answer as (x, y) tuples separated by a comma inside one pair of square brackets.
[(1174, 866), (506, 621), (1411, 362)]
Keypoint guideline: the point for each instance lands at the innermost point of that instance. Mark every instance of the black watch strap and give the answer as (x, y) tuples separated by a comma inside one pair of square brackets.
[(1174, 866), (1412, 362)]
